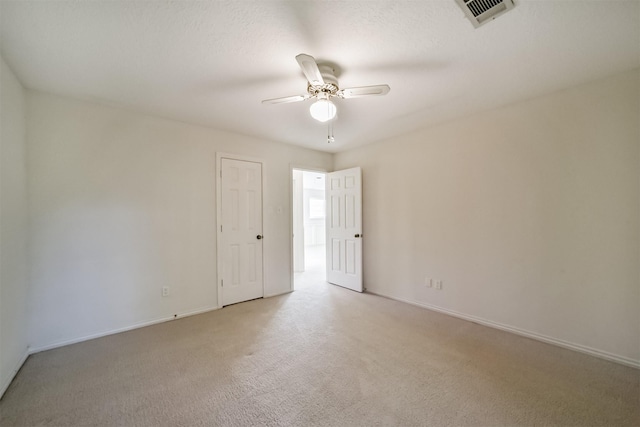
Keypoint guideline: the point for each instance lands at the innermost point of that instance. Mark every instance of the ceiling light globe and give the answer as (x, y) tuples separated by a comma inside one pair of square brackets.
[(323, 110)]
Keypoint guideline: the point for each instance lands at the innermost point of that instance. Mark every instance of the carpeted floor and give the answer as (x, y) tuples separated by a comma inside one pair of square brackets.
[(322, 355)]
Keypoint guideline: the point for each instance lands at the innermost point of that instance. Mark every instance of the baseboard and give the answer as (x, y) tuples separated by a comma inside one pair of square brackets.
[(33, 350), (7, 382), (533, 335)]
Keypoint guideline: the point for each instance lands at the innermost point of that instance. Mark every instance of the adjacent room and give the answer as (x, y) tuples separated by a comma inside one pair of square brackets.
[(330, 213), (308, 215)]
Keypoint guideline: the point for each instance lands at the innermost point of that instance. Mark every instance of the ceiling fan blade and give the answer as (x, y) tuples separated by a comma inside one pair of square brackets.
[(310, 69), (356, 92), (286, 99)]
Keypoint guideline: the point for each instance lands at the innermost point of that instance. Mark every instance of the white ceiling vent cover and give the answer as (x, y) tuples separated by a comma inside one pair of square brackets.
[(480, 12)]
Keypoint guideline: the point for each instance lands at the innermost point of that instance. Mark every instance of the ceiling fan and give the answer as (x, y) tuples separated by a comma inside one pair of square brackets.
[(323, 85)]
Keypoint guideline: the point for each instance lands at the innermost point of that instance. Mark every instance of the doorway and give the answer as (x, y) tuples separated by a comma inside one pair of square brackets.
[(309, 228)]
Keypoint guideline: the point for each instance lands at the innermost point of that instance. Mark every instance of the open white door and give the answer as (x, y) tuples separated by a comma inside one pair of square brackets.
[(344, 228), (241, 231)]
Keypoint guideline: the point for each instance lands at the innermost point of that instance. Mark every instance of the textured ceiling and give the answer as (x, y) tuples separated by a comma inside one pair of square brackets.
[(212, 62)]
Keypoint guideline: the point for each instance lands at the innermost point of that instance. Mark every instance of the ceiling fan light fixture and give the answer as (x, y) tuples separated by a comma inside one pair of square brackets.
[(323, 110)]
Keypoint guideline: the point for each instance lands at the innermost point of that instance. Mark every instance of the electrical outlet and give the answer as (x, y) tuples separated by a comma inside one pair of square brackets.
[(428, 282), (438, 284), (165, 291)]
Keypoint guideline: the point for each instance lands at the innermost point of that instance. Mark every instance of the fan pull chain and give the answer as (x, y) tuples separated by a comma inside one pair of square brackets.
[(330, 137)]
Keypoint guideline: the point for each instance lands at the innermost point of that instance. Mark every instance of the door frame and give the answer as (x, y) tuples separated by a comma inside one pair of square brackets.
[(303, 168), (218, 172)]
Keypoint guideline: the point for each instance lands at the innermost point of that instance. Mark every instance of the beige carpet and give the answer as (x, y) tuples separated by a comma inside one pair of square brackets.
[(322, 355)]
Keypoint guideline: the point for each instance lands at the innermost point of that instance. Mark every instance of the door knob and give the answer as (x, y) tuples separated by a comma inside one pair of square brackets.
[(259, 237), (356, 236)]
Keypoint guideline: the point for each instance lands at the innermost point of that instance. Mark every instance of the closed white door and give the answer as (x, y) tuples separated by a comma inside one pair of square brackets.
[(241, 231), (344, 228)]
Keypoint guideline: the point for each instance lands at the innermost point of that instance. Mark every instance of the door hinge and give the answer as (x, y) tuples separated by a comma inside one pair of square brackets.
[(222, 283), (221, 229)]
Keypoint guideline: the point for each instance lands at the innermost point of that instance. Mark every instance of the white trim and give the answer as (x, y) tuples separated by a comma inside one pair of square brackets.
[(241, 157), (522, 332), (293, 167), (220, 155), (34, 350), (14, 372)]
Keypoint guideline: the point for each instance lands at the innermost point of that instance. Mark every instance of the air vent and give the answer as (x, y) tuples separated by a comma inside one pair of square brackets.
[(480, 12)]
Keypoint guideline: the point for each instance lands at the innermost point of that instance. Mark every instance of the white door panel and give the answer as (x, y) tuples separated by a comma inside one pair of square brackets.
[(344, 228), (241, 224)]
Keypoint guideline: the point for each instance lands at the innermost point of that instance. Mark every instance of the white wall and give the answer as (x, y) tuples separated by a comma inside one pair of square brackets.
[(528, 213), (298, 220), (13, 227), (124, 203)]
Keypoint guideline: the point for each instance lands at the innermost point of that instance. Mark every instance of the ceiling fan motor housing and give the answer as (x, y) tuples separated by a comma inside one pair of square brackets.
[(330, 86)]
